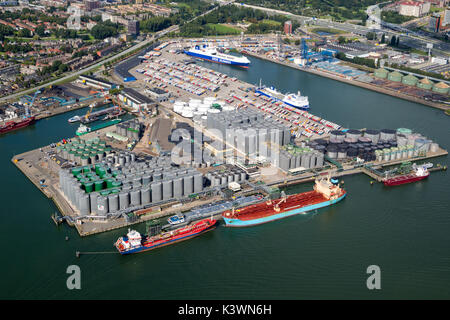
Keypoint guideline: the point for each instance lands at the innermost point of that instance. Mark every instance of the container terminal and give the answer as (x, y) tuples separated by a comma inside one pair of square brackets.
[(208, 143)]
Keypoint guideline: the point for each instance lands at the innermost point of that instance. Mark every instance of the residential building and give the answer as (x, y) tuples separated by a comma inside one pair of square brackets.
[(414, 8)]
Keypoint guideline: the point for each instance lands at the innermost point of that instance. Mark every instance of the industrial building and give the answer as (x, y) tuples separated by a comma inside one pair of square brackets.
[(158, 94), (96, 83), (135, 100)]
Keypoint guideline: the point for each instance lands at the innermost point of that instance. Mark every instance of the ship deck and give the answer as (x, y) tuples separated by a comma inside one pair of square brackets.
[(262, 210)]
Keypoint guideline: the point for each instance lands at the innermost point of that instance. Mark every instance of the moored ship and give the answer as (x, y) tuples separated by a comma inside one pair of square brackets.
[(418, 173), (14, 125), (134, 242), (294, 100), (211, 54), (324, 193)]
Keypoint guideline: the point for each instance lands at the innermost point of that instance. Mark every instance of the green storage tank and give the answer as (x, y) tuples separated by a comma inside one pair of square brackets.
[(410, 80), (381, 73), (395, 76), (425, 83), (116, 184), (89, 187), (105, 192), (109, 183), (441, 87), (98, 185), (76, 171)]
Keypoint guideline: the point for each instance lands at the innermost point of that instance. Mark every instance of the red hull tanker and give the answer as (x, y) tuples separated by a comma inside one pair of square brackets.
[(12, 125), (324, 194), (133, 242), (419, 173)]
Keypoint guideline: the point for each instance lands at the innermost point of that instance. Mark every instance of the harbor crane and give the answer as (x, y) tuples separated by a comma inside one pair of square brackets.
[(30, 104)]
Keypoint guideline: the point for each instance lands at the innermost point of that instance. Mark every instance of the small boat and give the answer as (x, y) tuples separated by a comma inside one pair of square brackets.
[(74, 119), (176, 219)]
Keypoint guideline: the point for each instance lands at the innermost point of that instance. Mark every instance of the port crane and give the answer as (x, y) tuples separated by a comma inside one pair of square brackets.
[(27, 109)]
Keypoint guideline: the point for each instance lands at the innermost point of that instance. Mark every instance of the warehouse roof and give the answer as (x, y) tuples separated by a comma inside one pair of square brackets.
[(136, 96)]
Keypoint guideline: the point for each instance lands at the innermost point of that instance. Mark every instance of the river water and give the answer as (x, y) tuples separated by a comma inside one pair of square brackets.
[(325, 254)]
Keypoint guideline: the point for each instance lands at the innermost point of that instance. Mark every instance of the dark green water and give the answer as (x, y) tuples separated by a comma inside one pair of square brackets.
[(404, 230)]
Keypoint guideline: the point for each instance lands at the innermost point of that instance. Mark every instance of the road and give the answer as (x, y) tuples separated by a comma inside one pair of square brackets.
[(139, 45)]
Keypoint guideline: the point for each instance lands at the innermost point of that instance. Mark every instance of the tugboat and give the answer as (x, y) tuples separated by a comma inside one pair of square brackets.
[(418, 173), (134, 242), (82, 129)]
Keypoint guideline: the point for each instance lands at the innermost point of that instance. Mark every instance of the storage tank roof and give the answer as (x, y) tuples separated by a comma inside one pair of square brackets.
[(396, 73), (442, 85), (426, 81), (410, 77)]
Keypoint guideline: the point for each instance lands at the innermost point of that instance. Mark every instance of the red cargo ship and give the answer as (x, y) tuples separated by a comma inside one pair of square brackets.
[(418, 174), (325, 193), (133, 242), (13, 125)]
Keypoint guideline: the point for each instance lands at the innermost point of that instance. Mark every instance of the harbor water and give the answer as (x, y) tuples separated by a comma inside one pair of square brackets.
[(323, 254)]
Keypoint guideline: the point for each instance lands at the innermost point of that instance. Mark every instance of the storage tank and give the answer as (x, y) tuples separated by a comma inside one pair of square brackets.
[(178, 188), (135, 197), (167, 189), (113, 203), (353, 134), (441, 87), (198, 182), (337, 136), (381, 73), (156, 188), (124, 200), (84, 205), (388, 135), (425, 83), (410, 80), (188, 185), (395, 76), (102, 205), (145, 195)]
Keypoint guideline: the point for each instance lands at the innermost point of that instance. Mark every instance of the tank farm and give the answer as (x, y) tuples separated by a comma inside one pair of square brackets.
[(234, 149)]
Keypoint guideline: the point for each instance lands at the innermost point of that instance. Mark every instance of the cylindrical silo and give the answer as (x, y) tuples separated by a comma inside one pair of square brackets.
[(124, 200), (145, 195), (188, 185), (156, 191), (102, 205), (113, 202), (167, 189), (135, 197)]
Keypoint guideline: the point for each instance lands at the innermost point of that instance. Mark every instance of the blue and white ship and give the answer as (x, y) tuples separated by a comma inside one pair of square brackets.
[(291, 99), (211, 54)]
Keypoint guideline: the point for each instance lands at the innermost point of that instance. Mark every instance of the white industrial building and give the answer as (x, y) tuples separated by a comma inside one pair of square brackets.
[(135, 100)]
